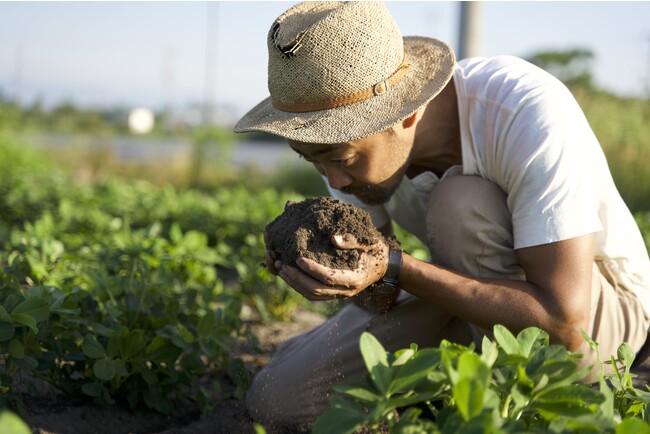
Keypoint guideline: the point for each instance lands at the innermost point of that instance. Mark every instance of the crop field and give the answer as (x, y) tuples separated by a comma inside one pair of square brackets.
[(126, 293)]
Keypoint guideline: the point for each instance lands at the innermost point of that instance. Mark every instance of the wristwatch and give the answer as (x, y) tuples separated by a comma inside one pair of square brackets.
[(388, 283)]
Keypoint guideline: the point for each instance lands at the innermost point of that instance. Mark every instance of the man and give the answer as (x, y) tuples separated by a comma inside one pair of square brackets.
[(489, 161)]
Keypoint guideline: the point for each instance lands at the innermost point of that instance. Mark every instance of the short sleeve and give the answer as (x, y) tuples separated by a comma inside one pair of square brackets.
[(547, 171)]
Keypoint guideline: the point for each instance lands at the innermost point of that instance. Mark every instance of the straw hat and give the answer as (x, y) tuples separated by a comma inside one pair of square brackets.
[(339, 71)]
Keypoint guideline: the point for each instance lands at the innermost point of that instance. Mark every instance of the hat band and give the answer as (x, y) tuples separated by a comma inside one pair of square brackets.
[(378, 89)]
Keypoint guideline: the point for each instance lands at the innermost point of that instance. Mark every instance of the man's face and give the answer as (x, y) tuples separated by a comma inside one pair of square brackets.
[(370, 168)]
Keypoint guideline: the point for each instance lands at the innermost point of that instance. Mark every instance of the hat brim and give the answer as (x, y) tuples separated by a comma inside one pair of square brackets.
[(432, 65)]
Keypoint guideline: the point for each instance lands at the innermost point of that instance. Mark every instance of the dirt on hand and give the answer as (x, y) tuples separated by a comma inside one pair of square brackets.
[(305, 229)]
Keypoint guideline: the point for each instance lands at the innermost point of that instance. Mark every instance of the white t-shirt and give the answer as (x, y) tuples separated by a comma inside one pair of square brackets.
[(522, 129)]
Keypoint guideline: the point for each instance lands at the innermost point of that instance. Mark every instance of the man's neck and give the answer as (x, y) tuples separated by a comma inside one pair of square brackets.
[(436, 144)]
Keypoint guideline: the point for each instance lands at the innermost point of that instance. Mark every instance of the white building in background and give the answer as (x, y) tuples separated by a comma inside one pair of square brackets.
[(141, 120)]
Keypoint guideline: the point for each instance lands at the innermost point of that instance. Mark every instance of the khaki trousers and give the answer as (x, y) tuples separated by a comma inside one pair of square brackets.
[(470, 231)]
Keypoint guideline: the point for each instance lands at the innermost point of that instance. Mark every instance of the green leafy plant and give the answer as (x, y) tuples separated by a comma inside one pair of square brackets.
[(517, 384), (127, 293)]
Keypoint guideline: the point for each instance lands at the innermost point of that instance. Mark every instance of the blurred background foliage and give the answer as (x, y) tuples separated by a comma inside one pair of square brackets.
[(83, 141), (621, 124)]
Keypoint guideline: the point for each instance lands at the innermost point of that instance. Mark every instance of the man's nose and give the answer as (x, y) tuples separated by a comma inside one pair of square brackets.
[(337, 178)]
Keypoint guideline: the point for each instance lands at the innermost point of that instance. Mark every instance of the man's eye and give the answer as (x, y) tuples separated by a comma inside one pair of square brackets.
[(342, 162)]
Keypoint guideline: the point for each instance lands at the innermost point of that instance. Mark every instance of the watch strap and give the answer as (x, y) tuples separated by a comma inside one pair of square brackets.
[(394, 267)]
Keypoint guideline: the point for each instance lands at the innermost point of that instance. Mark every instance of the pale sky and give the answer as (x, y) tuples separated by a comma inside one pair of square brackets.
[(154, 53)]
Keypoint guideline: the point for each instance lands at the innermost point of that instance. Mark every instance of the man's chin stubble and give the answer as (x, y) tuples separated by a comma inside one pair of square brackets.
[(371, 195)]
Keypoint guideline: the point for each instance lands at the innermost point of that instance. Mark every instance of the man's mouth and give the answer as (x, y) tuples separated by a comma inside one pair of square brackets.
[(370, 194)]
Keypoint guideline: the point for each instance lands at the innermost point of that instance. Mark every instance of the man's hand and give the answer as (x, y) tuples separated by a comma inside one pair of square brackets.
[(317, 282), (270, 258)]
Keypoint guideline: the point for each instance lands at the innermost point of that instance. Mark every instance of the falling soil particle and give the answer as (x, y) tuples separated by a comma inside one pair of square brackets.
[(305, 229)]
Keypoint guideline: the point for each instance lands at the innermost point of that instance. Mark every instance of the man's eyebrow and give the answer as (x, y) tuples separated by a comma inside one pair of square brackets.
[(322, 151)]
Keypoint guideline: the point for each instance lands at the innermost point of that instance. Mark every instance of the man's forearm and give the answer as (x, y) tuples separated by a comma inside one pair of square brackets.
[(484, 302)]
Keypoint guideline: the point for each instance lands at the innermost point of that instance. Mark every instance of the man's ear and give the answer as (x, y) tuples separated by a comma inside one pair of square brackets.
[(410, 121)]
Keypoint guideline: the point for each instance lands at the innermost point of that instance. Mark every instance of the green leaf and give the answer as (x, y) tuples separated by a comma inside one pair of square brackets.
[(92, 389), (359, 392), (419, 397), (414, 370), (506, 340), (4, 316), (558, 370), (132, 344), (489, 352), (607, 406), (403, 356), (635, 409), (626, 355), (161, 350), (520, 398), (10, 423), (469, 396), (175, 233), (472, 381), (34, 307), (16, 349), (206, 326), (544, 356), (592, 344), (12, 301), (92, 348), (586, 423), (376, 360), (158, 402), (149, 376), (114, 343), (7, 331), (633, 426), (471, 366), (552, 410), (27, 363), (64, 311), (338, 420), (104, 369), (101, 329), (526, 339), (26, 320), (577, 393), (185, 334)]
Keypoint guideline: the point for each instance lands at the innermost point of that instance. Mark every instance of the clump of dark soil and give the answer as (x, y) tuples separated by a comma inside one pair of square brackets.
[(305, 229)]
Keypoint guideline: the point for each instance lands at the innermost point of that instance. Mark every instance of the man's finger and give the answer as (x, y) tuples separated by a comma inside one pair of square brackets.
[(270, 260), (330, 276), (309, 287)]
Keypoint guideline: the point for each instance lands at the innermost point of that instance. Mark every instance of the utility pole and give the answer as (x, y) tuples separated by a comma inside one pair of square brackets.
[(647, 73), (18, 74), (167, 84), (210, 42), (201, 141), (469, 29)]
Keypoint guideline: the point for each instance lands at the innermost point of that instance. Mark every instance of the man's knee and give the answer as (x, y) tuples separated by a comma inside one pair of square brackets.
[(280, 406), (469, 228), (465, 200)]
